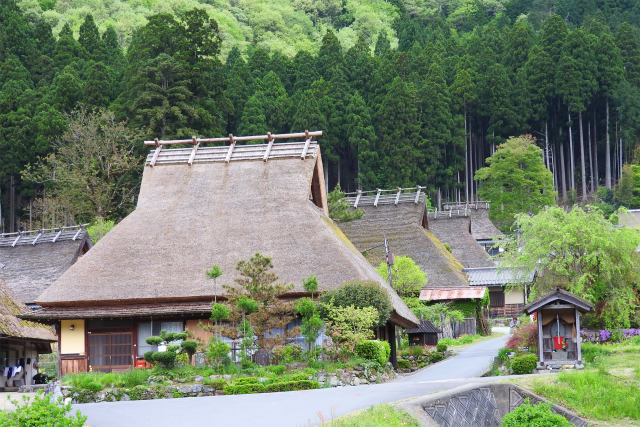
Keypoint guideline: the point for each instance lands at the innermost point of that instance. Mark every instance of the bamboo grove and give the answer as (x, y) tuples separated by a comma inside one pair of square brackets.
[(424, 104)]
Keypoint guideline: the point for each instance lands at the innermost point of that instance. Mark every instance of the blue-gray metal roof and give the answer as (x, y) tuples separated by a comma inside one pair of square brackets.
[(497, 276)]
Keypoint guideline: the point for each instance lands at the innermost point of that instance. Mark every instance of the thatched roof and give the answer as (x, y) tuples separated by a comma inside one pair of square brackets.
[(630, 218), (402, 225), (31, 261), (11, 326), (481, 226), (213, 212), (455, 230)]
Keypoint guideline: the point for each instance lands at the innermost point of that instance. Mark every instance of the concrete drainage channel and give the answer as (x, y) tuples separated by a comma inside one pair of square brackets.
[(476, 405)]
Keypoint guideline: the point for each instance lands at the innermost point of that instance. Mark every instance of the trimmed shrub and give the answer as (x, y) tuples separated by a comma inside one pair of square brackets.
[(436, 357), (246, 380), (292, 385), (218, 383), (373, 350), (404, 364), (166, 359), (441, 347), (189, 347), (524, 364), (534, 415), (41, 410), (244, 388)]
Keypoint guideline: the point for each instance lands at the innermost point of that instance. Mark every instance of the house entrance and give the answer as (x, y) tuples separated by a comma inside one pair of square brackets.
[(110, 351)]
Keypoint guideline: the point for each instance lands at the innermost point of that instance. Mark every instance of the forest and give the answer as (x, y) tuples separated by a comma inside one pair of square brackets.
[(421, 95)]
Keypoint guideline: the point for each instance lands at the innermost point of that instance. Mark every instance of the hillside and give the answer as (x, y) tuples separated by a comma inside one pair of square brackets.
[(277, 25)]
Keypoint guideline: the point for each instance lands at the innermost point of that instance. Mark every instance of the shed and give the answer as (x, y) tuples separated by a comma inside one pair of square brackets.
[(200, 206), (30, 261), (425, 334), (558, 318), (20, 341), (504, 301)]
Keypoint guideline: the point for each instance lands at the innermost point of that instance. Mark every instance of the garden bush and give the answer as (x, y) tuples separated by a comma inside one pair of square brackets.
[(244, 389), (524, 364), (217, 383), (534, 415), (503, 355), (360, 294), (41, 410), (416, 350), (292, 385), (436, 356), (246, 380), (441, 347), (404, 364), (374, 350)]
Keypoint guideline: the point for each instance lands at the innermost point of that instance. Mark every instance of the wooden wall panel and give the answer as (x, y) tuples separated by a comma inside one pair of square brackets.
[(73, 365)]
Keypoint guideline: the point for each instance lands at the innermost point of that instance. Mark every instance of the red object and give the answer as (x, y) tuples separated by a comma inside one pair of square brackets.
[(557, 342), (141, 364)]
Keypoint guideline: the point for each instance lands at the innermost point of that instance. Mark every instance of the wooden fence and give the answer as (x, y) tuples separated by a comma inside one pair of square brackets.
[(456, 329)]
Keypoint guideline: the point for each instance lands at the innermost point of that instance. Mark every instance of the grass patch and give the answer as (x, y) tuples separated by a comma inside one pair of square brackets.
[(608, 389), (381, 415), (466, 340)]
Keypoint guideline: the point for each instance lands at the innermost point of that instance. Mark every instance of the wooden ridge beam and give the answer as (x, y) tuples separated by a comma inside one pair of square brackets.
[(306, 134)]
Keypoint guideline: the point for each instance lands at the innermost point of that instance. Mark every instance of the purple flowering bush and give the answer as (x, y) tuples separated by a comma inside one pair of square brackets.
[(605, 335)]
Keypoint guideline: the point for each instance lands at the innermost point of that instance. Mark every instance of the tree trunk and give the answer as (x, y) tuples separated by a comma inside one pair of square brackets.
[(595, 151), (572, 167), (582, 167), (546, 144), (590, 158), (563, 173), (325, 165), (471, 171), (607, 156), (466, 160), (12, 204)]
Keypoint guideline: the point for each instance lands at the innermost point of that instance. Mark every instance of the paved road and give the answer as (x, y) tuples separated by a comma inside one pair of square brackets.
[(296, 408)]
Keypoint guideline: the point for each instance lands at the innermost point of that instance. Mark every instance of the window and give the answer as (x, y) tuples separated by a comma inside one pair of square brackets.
[(150, 328)]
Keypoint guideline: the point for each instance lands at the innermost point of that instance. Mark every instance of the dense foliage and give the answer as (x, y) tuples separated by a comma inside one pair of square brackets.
[(359, 294), (375, 350), (406, 92), (524, 364), (515, 181), (583, 252), (41, 410), (406, 275), (529, 414)]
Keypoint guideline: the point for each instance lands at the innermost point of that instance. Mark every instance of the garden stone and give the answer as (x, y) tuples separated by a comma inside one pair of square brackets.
[(184, 389), (355, 381), (125, 397), (208, 389), (197, 388), (198, 379), (333, 381), (219, 377), (181, 380)]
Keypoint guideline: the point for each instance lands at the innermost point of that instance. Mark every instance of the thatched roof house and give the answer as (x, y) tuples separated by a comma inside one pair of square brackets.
[(453, 227), (198, 207), (20, 340), (30, 261), (403, 223)]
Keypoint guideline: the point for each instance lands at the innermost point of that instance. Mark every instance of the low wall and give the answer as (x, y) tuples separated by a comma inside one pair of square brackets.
[(477, 405)]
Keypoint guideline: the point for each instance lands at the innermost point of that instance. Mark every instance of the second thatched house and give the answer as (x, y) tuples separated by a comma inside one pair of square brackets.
[(30, 261), (200, 206)]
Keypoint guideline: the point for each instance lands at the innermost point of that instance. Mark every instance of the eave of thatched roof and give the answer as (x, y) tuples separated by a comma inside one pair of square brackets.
[(191, 217), (12, 326), (401, 224), (30, 262), (456, 232), (630, 218)]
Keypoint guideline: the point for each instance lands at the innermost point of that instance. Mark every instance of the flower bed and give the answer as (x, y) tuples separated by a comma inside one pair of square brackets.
[(606, 335)]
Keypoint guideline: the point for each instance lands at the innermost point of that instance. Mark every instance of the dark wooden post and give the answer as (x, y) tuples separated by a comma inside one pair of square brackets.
[(540, 341), (391, 338), (578, 337)]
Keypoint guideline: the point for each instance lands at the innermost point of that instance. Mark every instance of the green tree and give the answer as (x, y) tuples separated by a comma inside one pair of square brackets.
[(406, 275), (361, 137), (627, 192), (359, 294), (515, 181), (339, 208), (89, 38), (601, 265)]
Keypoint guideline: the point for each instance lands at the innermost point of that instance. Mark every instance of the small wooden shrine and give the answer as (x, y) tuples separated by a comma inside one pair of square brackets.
[(558, 318)]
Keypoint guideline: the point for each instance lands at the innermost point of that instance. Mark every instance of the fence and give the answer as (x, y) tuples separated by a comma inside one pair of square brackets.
[(456, 329)]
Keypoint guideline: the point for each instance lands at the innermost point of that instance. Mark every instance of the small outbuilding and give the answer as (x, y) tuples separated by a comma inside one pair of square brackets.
[(425, 334), (558, 318)]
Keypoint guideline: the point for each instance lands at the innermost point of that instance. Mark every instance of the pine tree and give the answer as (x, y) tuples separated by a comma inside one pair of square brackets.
[(89, 38), (361, 138), (254, 120)]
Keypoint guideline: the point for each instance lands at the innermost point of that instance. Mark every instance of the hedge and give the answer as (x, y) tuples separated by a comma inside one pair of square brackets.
[(244, 388), (524, 364), (292, 385), (404, 364), (376, 350)]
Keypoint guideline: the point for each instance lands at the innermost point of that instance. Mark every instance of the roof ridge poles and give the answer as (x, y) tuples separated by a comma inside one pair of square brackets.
[(307, 135), (156, 153), (268, 150), (192, 156), (232, 145), (307, 142)]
